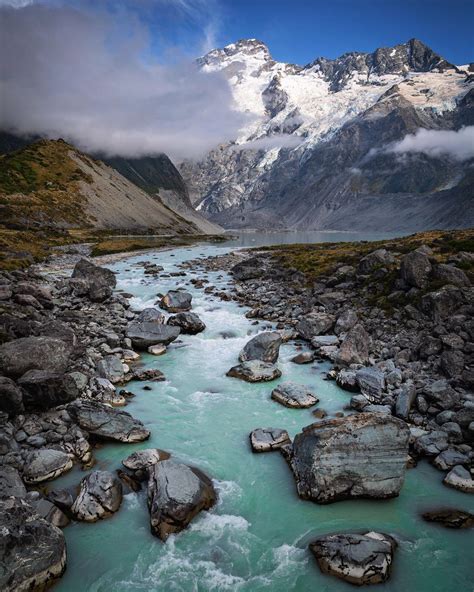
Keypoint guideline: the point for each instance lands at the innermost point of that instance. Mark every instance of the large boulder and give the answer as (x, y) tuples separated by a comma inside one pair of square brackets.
[(345, 321), (43, 389), (11, 484), (100, 495), (450, 518), (440, 304), (46, 464), (264, 346), (375, 260), (294, 395), (100, 281), (405, 400), (315, 323), (146, 333), (449, 274), (460, 478), (371, 382), (255, 371), (267, 439), (111, 368), (247, 270), (415, 269), (107, 423), (355, 558), (34, 353), (176, 301), (176, 494), (188, 322), (32, 551), (11, 397), (358, 456), (354, 348), (139, 462)]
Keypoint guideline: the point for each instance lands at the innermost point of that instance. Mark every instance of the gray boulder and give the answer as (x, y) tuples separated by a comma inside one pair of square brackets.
[(347, 380), (176, 494), (358, 559), (32, 551), (140, 461), (146, 333), (345, 321), (100, 495), (354, 348), (439, 305), (450, 274), (294, 395), (306, 357), (255, 371), (441, 394), (106, 422), (450, 518), (188, 322), (51, 513), (375, 260), (247, 270), (176, 301), (151, 315), (449, 458), (314, 324), (431, 444), (264, 346), (111, 368), (11, 397), (460, 478), (46, 464), (34, 353), (11, 484), (415, 269), (371, 382), (267, 439), (405, 400), (100, 281), (357, 456), (43, 390)]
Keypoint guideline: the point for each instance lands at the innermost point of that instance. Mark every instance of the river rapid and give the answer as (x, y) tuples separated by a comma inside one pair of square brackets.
[(256, 537)]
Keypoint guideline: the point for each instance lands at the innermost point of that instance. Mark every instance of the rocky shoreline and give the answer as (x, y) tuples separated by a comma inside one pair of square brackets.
[(70, 345)]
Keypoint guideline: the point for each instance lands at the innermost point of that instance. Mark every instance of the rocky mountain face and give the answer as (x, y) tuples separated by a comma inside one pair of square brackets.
[(317, 150)]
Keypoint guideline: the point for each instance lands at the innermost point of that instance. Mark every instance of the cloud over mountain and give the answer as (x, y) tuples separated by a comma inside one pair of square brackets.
[(458, 145)]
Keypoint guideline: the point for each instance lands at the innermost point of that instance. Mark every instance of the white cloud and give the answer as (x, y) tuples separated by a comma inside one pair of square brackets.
[(458, 145), (275, 141), (82, 76)]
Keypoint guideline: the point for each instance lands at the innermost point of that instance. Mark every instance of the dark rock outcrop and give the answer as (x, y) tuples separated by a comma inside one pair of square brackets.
[(188, 322), (176, 301), (34, 353), (264, 346), (100, 281), (100, 495)]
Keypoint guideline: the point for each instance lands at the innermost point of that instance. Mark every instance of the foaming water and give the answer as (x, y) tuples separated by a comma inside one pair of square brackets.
[(256, 537)]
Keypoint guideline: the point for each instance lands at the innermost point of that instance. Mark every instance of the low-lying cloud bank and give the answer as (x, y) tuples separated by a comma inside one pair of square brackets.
[(458, 145), (88, 78)]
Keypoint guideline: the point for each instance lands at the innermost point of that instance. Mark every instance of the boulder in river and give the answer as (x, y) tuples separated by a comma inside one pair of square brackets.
[(140, 461), (107, 423), (32, 551), (176, 494), (255, 371), (450, 518), (357, 456), (264, 346), (355, 558), (100, 280), (46, 464), (176, 301), (294, 395), (188, 322), (146, 333), (100, 495), (460, 478), (266, 439), (34, 353)]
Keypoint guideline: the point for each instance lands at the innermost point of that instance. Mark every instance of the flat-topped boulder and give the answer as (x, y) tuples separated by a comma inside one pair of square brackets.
[(107, 423), (176, 494), (294, 395), (358, 559), (100, 281), (46, 464), (450, 518), (188, 322), (255, 371), (32, 551), (266, 439), (146, 333), (100, 495), (264, 346), (357, 456), (176, 301), (34, 353)]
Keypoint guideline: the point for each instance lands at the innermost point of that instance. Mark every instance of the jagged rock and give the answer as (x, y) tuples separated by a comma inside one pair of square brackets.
[(255, 371), (415, 269), (61, 498), (264, 346), (99, 496), (452, 363), (111, 368), (371, 382), (176, 301), (11, 483), (375, 260), (141, 460), (43, 390), (405, 400), (152, 374), (107, 423), (460, 478), (11, 397), (46, 464), (146, 333), (450, 518), (450, 275), (347, 380), (34, 353), (351, 457), (248, 269), (100, 281), (359, 402), (440, 304), (355, 558), (152, 315), (321, 341), (441, 394), (431, 444), (266, 439), (176, 494), (314, 324), (354, 348), (50, 512), (294, 395), (345, 322), (303, 358), (32, 551), (449, 458), (188, 322)]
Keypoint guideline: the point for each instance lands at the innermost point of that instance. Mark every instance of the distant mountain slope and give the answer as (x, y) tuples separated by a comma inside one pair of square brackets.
[(315, 151)]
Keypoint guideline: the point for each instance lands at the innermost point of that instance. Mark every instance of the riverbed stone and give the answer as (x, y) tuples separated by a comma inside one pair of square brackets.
[(450, 518), (347, 380), (107, 423), (358, 559), (255, 371), (146, 333), (34, 353), (11, 397), (306, 357), (43, 389), (357, 456), (354, 348), (449, 458), (267, 439), (46, 464), (176, 494), (405, 399), (264, 346), (157, 350), (294, 395), (371, 382), (11, 483), (100, 495), (100, 280), (188, 322), (111, 368), (143, 459), (313, 324), (51, 513), (176, 301), (32, 551), (460, 478)]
